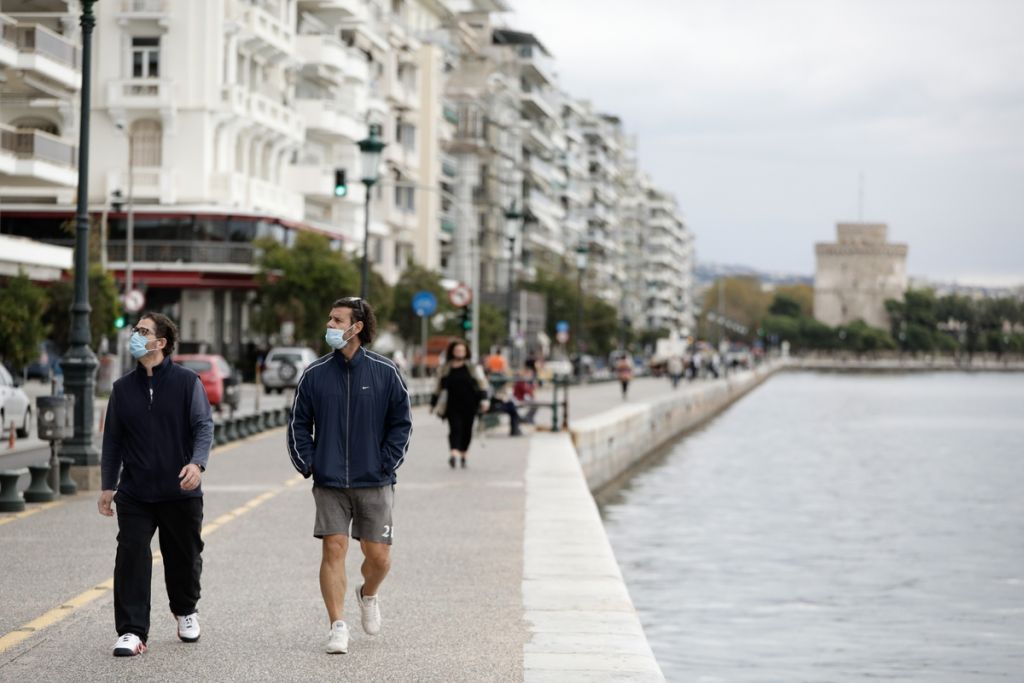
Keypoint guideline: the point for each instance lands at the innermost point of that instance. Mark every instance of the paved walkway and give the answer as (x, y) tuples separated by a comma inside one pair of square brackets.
[(453, 605)]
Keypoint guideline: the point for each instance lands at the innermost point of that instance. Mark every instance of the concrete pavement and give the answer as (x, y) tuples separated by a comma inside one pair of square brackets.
[(453, 605)]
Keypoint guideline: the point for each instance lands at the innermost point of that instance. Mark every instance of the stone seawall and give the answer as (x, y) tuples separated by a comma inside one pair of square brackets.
[(610, 443)]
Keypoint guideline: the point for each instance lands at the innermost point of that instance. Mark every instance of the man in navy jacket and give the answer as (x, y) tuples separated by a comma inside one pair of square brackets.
[(350, 429), (155, 447)]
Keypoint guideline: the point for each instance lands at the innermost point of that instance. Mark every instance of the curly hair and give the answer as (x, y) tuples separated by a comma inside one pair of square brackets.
[(451, 348)]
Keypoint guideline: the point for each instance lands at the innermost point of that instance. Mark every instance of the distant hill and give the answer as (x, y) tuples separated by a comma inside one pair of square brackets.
[(707, 273)]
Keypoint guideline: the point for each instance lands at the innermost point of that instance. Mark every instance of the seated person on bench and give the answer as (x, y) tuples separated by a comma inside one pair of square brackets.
[(500, 403), (524, 393)]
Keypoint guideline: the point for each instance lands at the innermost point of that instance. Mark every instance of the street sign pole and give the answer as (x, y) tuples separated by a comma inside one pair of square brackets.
[(423, 342)]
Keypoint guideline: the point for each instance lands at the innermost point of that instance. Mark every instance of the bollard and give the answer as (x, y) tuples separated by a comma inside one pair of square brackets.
[(218, 434), (11, 499), (241, 428), (67, 484), (281, 420), (39, 490), (257, 423), (230, 429)]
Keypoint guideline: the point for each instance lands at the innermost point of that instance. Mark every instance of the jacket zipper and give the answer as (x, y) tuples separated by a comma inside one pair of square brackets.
[(348, 420), (149, 384)]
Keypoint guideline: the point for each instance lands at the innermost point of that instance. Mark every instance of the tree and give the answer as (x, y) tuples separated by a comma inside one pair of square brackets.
[(103, 300), (298, 284), (21, 320), (743, 301), (802, 294), (416, 279), (785, 306)]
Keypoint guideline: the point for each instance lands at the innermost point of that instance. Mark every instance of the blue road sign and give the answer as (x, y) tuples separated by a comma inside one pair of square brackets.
[(562, 326), (424, 303)]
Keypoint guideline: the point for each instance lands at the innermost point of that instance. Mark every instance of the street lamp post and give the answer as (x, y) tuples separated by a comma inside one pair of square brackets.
[(79, 364), (581, 266), (511, 215), (370, 148)]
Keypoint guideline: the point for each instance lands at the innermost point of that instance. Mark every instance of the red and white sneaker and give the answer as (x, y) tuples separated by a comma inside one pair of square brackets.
[(129, 645)]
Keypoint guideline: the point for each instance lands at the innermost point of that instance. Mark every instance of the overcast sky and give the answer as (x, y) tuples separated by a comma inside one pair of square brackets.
[(761, 114)]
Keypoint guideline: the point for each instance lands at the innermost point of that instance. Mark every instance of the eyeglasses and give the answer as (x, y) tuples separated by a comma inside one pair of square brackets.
[(145, 332), (353, 302)]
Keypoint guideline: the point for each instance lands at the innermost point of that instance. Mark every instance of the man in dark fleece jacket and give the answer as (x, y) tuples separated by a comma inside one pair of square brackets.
[(155, 447)]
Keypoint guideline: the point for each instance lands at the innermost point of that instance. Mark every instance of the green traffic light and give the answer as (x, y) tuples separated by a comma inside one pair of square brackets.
[(119, 322), (340, 190)]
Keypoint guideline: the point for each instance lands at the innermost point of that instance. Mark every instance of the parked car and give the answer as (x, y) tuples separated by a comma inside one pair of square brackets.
[(47, 363), (219, 379), (284, 365), (15, 408)]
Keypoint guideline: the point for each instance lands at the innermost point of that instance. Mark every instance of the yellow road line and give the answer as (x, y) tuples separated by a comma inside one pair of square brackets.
[(9, 640), (32, 511)]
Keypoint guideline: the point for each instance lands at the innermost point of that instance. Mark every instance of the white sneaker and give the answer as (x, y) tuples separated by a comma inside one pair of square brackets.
[(188, 627), (370, 609), (337, 642), (129, 645)]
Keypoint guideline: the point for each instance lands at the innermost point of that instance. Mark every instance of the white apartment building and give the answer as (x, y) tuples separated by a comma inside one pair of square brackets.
[(667, 261), (40, 78), (606, 258)]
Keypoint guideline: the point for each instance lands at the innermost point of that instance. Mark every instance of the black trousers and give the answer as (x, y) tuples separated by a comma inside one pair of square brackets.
[(179, 523), (460, 429)]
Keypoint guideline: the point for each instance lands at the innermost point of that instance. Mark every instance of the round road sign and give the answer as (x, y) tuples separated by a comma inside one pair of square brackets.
[(133, 301), (460, 295), (424, 303)]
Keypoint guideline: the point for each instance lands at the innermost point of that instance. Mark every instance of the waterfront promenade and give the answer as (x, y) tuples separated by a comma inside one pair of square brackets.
[(454, 606)]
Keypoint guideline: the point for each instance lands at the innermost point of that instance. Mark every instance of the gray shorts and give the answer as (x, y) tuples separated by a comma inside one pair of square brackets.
[(367, 511)]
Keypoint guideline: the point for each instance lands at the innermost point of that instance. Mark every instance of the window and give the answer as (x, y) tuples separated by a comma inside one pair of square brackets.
[(145, 57), (147, 143)]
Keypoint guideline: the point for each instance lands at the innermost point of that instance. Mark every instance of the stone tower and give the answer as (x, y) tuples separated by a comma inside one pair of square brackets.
[(855, 275)]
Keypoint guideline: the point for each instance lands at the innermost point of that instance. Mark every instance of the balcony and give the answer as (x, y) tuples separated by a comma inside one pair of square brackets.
[(32, 157), (535, 64), (260, 196), (535, 103), (265, 111), (332, 59), (44, 52), (164, 252), (265, 35), (332, 119), (336, 10), (140, 93), (144, 10), (8, 42), (149, 185)]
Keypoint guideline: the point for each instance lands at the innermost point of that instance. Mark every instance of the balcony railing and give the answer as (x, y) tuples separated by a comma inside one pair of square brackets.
[(152, 251), (38, 145), (43, 41), (149, 7)]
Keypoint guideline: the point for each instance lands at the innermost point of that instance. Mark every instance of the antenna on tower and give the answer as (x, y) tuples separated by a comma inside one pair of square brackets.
[(860, 197)]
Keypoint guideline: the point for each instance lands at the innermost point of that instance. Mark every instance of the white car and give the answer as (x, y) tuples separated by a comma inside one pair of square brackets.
[(284, 365), (15, 408)]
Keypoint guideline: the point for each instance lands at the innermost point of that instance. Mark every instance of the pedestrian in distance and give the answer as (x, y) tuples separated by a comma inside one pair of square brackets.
[(156, 443), (675, 370), (350, 429), (624, 371), (460, 394)]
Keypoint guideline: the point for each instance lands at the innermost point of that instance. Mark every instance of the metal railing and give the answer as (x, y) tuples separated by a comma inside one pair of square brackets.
[(38, 145), (43, 41), (154, 251)]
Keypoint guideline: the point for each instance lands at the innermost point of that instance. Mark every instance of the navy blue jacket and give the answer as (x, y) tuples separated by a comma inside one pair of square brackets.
[(351, 421), (154, 427)]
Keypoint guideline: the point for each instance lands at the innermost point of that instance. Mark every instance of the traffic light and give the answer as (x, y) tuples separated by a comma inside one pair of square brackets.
[(119, 322), (467, 319), (340, 184), (116, 201)]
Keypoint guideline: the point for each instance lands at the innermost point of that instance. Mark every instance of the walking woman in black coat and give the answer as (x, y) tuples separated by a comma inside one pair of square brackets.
[(461, 393)]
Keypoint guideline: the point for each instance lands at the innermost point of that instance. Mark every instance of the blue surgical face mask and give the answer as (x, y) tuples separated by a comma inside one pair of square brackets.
[(137, 346), (336, 339)]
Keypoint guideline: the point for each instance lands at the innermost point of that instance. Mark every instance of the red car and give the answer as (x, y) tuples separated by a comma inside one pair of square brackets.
[(221, 383)]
